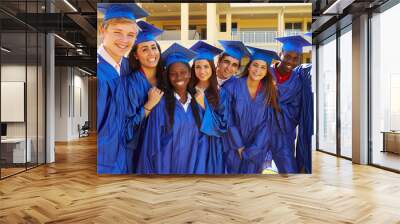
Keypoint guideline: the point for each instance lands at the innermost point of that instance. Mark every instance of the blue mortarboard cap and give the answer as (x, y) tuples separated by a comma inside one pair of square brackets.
[(293, 43), (147, 32), (205, 51), (234, 48), (122, 10), (261, 54), (177, 53), (309, 34)]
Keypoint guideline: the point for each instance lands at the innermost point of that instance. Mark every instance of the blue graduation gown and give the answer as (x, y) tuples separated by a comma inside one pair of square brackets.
[(136, 88), (180, 150), (246, 127), (112, 157), (231, 79), (215, 126), (296, 103)]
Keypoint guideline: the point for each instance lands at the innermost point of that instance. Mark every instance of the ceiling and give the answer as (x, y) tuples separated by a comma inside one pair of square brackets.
[(76, 27), (74, 22), (329, 15)]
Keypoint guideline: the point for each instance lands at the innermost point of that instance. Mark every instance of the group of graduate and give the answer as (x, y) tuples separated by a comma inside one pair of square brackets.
[(176, 112)]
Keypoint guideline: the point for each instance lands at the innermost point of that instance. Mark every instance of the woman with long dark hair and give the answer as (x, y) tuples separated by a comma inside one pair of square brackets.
[(142, 89), (204, 80), (252, 96), (173, 141)]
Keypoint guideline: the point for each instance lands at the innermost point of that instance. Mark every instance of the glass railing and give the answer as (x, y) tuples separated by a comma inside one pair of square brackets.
[(255, 36), (293, 32), (176, 35), (262, 36)]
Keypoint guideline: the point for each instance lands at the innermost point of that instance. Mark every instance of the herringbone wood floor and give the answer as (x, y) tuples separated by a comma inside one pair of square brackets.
[(70, 191)]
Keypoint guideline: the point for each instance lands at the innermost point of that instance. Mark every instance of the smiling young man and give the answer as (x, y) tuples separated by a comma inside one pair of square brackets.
[(294, 124), (118, 32), (229, 61)]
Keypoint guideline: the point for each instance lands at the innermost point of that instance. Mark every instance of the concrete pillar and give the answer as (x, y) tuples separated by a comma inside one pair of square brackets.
[(184, 21), (50, 93), (211, 25), (217, 23), (229, 24), (281, 23), (360, 90), (305, 25)]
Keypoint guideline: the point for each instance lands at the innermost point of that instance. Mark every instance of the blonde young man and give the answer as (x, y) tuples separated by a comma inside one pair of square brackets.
[(118, 33)]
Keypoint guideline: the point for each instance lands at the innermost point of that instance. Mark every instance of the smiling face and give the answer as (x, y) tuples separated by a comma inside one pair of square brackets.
[(290, 60), (202, 70), (227, 67), (257, 70), (179, 76), (118, 37), (147, 54)]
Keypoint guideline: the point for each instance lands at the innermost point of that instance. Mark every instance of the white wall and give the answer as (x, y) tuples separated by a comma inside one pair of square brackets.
[(69, 85), (12, 73), (33, 126)]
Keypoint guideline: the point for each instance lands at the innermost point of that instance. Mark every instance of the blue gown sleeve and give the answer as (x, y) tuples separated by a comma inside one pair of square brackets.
[(306, 125), (151, 141), (260, 142), (103, 102), (134, 113), (215, 120), (233, 138)]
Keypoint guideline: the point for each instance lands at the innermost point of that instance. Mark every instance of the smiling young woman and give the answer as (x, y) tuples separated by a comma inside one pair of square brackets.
[(142, 89), (253, 96), (173, 141)]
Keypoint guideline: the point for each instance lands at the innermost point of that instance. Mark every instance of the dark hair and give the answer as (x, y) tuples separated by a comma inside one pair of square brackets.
[(135, 64), (222, 55), (212, 93), (271, 92), (170, 98)]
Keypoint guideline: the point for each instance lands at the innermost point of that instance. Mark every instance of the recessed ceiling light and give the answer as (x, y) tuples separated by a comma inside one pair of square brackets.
[(70, 5), (5, 50), (84, 71), (64, 40)]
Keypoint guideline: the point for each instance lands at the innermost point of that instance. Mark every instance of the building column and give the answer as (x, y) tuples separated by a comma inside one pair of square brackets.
[(50, 93), (229, 24), (211, 25), (281, 23), (184, 21), (360, 90), (305, 25)]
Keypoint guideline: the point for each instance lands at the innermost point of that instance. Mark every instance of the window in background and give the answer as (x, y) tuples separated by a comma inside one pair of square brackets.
[(385, 88), (346, 92), (327, 95)]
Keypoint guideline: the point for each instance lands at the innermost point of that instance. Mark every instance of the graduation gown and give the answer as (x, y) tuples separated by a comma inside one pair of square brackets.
[(296, 103), (216, 120), (246, 128), (136, 88), (182, 149), (112, 157), (231, 79)]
